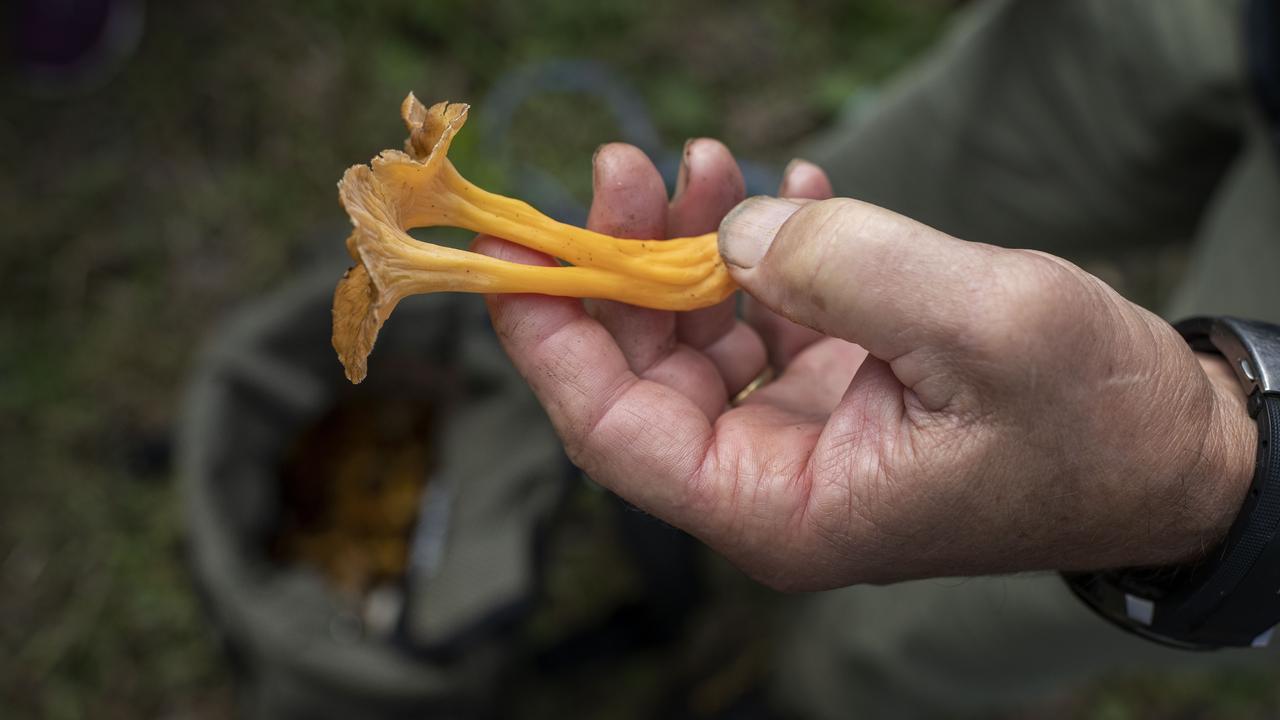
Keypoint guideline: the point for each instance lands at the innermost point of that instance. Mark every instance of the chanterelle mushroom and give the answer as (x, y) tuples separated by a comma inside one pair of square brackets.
[(420, 188)]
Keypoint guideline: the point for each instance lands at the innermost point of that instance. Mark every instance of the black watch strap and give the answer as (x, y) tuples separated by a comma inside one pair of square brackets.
[(1232, 596)]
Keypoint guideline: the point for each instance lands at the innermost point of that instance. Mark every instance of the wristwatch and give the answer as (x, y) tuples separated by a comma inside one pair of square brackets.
[(1231, 598)]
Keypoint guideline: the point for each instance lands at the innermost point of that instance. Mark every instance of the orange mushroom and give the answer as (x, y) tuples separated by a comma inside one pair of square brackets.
[(420, 188)]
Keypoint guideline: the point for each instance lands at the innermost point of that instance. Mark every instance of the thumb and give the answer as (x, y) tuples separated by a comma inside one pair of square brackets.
[(862, 273)]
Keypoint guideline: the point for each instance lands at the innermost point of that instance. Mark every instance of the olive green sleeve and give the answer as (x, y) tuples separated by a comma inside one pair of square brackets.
[(1063, 126)]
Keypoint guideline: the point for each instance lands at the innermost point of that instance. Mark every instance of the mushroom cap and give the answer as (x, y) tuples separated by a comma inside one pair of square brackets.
[(431, 130), (378, 198)]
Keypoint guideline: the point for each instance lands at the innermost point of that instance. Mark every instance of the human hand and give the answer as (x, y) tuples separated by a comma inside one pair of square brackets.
[(1014, 412)]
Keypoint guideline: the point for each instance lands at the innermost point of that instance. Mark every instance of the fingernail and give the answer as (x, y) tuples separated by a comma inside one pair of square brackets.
[(786, 189), (748, 230), (595, 166), (682, 175)]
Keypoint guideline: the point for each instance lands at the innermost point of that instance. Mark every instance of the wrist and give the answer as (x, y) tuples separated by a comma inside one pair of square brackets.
[(1221, 591), (1224, 468)]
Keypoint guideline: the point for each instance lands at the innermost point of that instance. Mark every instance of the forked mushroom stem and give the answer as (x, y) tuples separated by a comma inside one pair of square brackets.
[(444, 198)]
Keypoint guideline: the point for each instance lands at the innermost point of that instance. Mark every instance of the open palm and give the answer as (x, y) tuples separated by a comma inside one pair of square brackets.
[(640, 397)]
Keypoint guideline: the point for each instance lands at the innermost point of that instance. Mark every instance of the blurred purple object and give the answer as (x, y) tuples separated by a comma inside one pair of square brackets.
[(64, 47)]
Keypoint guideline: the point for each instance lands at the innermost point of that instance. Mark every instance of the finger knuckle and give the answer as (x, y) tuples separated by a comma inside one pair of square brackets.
[(1032, 305)]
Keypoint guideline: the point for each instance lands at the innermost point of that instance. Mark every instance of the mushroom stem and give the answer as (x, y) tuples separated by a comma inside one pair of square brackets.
[(453, 201), (413, 269)]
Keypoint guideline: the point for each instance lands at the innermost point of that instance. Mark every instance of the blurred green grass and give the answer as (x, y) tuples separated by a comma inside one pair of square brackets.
[(139, 214)]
